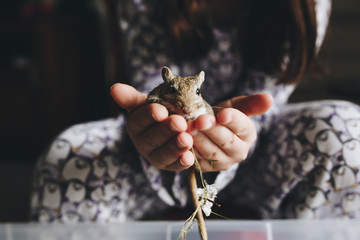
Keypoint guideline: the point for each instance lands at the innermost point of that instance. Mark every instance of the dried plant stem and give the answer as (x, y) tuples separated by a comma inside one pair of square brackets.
[(199, 214)]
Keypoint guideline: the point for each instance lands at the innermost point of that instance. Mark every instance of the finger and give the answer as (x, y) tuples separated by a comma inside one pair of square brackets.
[(127, 97), (145, 116), (207, 165), (228, 145), (158, 134), (238, 123), (250, 105), (204, 144), (228, 140), (170, 152), (186, 160), (206, 148)]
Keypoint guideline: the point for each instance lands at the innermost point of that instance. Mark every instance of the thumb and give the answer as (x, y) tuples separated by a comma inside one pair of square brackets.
[(255, 104), (127, 97)]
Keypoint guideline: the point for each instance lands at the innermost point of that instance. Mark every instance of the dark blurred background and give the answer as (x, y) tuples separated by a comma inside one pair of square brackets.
[(58, 60)]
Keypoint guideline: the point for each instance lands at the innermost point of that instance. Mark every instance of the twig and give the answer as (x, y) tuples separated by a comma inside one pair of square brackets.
[(199, 214)]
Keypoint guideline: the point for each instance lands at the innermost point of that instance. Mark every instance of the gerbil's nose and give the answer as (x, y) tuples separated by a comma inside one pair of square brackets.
[(186, 110)]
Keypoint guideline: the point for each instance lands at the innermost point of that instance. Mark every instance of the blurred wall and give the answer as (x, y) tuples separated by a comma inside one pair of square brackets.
[(54, 58), (340, 55)]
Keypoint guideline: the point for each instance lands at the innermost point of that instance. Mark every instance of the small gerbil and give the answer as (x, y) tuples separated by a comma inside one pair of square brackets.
[(181, 95)]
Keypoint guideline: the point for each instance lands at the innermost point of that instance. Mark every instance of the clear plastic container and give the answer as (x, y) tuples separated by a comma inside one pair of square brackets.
[(154, 230)]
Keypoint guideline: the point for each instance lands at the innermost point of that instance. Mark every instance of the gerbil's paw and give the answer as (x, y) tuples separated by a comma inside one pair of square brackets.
[(152, 99)]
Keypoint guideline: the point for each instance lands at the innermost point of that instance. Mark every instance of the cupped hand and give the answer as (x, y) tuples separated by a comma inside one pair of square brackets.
[(225, 139), (160, 138)]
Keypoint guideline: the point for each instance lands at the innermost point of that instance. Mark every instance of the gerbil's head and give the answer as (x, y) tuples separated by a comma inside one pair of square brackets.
[(181, 95), (169, 77)]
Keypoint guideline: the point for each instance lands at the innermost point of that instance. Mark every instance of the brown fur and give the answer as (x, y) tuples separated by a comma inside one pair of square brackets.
[(181, 95)]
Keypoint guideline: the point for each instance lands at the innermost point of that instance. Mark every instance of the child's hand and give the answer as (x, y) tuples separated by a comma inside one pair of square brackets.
[(164, 142), (160, 138), (225, 140)]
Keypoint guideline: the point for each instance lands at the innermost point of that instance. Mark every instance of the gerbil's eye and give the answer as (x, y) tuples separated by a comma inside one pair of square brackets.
[(198, 91), (172, 90)]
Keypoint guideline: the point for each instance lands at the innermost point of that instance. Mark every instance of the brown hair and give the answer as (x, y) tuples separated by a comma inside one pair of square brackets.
[(270, 31)]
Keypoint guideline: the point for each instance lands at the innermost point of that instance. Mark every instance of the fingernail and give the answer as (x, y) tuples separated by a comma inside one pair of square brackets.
[(182, 163), (113, 86), (179, 143), (187, 159), (208, 125), (173, 128), (193, 133), (227, 120)]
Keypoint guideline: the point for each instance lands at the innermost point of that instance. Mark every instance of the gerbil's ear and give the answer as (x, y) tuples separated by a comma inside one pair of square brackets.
[(166, 74), (201, 77)]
